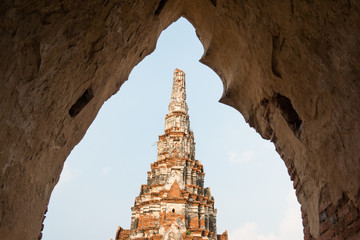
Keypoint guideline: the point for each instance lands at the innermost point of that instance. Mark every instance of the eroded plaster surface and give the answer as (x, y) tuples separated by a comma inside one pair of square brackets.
[(290, 67)]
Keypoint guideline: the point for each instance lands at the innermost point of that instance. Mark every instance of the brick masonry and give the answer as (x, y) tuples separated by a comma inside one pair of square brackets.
[(340, 221)]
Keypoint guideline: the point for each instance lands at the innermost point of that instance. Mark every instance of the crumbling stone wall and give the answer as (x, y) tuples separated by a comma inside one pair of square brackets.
[(290, 67)]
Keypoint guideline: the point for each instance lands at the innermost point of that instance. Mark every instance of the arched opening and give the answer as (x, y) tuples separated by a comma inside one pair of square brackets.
[(298, 86), (104, 173)]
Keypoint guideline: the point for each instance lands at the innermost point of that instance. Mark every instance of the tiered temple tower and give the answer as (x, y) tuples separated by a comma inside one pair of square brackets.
[(174, 204)]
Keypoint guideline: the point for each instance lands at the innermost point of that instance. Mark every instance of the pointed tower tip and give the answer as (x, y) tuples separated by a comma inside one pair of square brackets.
[(178, 94)]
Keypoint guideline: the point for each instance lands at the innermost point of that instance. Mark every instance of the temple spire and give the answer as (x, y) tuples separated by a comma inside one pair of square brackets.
[(174, 203), (177, 119)]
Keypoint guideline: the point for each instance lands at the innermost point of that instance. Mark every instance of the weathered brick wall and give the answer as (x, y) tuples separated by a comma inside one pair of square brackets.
[(223, 236), (340, 220), (337, 221), (122, 234)]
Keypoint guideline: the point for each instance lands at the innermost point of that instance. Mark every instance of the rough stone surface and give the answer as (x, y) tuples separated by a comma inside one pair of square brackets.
[(290, 67)]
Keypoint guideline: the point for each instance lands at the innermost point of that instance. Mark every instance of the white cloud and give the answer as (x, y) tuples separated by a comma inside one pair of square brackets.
[(67, 175), (249, 231), (106, 170), (242, 157), (289, 228), (269, 145)]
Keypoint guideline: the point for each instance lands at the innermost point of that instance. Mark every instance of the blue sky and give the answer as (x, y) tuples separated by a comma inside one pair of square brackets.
[(104, 172)]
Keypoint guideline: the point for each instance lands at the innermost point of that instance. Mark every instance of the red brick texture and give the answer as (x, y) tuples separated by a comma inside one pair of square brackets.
[(337, 221)]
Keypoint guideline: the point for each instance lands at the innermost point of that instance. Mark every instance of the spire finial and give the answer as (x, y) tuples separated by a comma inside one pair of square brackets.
[(178, 95)]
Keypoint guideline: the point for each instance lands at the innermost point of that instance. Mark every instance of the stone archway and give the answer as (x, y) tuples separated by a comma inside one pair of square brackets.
[(290, 68)]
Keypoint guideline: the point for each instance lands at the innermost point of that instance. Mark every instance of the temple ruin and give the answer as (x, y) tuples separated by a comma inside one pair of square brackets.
[(174, 204)]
